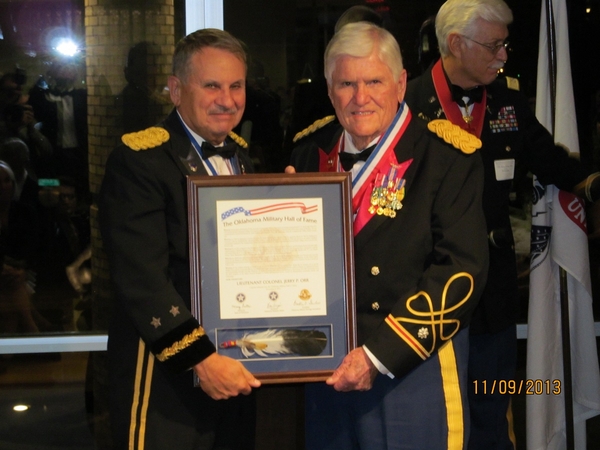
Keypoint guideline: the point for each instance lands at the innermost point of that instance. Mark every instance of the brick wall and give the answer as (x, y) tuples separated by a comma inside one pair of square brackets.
[(112, 28)]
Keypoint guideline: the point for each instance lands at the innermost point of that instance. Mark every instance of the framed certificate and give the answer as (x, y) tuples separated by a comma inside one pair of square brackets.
[(272, 273)]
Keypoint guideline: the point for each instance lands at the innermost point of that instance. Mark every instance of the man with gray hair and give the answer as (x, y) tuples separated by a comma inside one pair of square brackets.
[(463, 87), (420, 257), (155, 344)]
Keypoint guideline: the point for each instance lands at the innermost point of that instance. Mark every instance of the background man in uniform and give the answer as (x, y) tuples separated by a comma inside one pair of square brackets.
[(420, 264), (462, 87), (154, 340)]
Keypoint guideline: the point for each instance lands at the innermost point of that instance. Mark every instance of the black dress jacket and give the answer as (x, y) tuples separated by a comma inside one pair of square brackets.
[(418, 275), (144, 225), (532, 148)]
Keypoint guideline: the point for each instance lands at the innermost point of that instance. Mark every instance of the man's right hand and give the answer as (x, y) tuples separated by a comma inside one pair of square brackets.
[(222, 377)]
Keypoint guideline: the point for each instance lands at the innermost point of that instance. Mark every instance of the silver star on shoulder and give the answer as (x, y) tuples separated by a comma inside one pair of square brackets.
[(155, 322), (174, 310), (423, 333)]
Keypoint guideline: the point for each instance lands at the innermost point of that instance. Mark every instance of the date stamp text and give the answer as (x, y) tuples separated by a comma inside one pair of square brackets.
[(511, 387)]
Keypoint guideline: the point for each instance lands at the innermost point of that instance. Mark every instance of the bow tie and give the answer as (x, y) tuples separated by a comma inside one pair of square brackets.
[(475, 95), (227, 151), (349, 159)]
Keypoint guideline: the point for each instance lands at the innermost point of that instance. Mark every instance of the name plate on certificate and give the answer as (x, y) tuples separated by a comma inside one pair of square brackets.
[(272, 270)]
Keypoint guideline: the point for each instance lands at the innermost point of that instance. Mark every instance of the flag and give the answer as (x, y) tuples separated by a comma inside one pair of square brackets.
[(558, 239)]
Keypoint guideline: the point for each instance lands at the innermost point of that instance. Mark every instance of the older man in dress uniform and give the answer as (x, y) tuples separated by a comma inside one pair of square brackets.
[(420, 256)]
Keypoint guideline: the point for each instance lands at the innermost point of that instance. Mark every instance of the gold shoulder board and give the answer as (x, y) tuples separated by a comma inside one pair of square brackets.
[(314, 127), (454, 135), (238, 139), (512, 83), (145, 139)]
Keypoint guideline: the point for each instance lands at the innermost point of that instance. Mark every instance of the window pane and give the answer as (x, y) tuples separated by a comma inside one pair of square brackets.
[(76, 76)]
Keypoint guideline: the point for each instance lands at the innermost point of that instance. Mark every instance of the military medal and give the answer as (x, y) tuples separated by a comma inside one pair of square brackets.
[(388, 193), (467, 116), (378, 187)]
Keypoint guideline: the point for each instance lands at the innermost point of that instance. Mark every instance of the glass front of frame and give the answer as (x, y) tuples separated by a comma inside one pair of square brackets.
[(272, 271)]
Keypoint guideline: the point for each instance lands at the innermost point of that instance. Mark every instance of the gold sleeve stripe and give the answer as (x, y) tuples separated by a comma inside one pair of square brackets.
[(188, 340), (407, 337), (452, 395)]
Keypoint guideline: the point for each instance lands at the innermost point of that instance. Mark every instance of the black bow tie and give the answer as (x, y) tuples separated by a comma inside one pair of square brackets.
[(349, 159), (475, 95), (227, 151)]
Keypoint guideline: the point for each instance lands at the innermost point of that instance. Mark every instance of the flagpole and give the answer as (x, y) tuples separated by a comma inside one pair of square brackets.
[(551, 34), (564, 289), (566, 344)]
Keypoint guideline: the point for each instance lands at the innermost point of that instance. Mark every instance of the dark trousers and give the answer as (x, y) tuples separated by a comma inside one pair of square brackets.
[(492, 363), (153, 409), (426, 409)]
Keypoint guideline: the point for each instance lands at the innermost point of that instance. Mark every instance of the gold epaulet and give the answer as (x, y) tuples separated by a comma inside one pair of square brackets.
[(238, 139), (512, 83), (314, 127), (145, 139), (454, 135)]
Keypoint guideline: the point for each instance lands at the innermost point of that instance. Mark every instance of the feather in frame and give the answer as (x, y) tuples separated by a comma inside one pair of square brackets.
[(280, 342)]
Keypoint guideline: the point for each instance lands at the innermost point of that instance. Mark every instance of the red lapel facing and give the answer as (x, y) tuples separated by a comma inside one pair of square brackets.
[(475, 123), (328, 162)]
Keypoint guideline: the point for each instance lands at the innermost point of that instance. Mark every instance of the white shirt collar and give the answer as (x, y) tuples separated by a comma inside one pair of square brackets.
[(349, 146)]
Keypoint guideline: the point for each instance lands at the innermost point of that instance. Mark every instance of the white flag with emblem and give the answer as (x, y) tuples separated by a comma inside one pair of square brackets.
[(558, 239)]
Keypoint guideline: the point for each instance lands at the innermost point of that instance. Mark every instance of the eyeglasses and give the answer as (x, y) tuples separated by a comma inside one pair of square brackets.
[(494, 49)]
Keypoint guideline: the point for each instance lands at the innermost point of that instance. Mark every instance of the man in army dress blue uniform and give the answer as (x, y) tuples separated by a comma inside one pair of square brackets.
[(462, 87), (155, 344), (420, 256)]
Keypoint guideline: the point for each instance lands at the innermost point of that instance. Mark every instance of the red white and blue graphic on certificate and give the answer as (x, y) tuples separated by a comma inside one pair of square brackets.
[(302, 207)]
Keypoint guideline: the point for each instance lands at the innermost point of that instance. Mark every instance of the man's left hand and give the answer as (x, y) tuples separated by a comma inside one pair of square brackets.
[(356, 373)]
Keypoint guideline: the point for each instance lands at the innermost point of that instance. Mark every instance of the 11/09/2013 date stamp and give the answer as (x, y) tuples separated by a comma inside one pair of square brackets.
[(510, 387)]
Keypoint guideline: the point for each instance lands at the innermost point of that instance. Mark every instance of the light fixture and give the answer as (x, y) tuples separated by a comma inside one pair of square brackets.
[(66, 47), (20, 408)]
